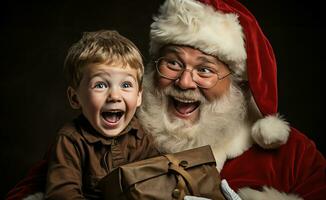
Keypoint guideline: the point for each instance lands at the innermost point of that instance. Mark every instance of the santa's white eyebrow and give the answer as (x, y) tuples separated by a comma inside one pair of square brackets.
[(205, 59), (171, 49)]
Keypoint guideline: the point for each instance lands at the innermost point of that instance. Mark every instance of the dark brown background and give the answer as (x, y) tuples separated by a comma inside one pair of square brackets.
[(35, 37)]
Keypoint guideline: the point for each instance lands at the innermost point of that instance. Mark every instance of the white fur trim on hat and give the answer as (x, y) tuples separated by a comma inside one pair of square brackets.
[(270, 131), (266, 194), (189, 22)]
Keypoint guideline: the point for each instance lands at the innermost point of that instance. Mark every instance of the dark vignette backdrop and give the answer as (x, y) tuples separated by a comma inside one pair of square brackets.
[(35, 37)]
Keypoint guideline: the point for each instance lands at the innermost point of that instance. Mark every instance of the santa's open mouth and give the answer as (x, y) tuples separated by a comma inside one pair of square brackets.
[(184, 107), (112, 117)]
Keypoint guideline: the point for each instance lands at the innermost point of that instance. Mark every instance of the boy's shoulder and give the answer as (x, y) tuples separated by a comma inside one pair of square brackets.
[(69, 129), (72, 129)]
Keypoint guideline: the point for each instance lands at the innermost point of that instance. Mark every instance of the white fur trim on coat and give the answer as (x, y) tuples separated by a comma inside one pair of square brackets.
[(270, 131), (266, 194), (36, 196), (189, 22)]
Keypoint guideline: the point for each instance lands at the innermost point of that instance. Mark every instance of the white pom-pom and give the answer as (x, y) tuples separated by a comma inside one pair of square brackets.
[(270, 132)]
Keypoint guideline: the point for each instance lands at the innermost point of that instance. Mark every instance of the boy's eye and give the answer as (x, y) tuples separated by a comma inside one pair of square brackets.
[(126, 84), (100, 85)]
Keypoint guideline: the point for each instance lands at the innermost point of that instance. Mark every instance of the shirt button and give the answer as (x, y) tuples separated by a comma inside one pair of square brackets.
[(183, 163), (176, 193)]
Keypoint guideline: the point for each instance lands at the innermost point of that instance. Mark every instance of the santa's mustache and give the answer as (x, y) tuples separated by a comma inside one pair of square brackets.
[(193, 95)]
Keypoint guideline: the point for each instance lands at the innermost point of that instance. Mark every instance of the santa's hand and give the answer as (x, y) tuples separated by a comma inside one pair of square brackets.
[(228, 192), (194, 198)]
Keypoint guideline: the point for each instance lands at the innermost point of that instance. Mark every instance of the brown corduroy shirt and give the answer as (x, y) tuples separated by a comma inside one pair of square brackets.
[(81, 157)]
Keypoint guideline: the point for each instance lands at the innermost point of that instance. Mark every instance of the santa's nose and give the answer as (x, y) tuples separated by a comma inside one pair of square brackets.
[(185, 81)]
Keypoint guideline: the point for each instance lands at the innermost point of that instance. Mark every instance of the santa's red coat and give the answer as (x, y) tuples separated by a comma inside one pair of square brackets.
[(296, 167)]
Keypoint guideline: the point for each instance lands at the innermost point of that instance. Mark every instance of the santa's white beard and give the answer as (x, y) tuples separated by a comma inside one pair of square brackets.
[(222, 123)]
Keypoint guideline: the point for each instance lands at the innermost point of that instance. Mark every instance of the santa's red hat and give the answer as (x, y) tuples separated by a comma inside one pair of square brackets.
[(226, 29)]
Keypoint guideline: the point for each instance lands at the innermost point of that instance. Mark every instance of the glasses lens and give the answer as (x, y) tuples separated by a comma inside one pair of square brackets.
[(169, 68), (204, 81)]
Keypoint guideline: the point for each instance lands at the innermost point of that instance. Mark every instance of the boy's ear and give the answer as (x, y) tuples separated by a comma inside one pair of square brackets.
[(73, 98), (139, 98)]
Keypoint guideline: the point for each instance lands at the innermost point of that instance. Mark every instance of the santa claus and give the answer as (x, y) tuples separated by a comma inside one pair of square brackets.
[(212, 80)]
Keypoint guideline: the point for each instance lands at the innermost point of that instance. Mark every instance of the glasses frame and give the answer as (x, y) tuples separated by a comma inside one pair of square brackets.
[(189, 70)]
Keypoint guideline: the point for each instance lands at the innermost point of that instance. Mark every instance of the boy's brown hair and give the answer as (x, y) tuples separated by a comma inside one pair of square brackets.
[(101, 47)]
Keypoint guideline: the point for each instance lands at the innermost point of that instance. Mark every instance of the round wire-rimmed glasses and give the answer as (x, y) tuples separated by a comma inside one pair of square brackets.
[(204, 76)]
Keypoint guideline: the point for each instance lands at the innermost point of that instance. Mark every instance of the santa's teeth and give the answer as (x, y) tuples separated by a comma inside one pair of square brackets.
[(184, 100)]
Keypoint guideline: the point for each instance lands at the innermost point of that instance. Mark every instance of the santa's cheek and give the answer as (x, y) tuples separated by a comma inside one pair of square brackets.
[(216, 92), (163, 83)]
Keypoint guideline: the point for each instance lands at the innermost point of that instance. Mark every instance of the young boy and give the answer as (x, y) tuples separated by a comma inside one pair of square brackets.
[(104, 72)]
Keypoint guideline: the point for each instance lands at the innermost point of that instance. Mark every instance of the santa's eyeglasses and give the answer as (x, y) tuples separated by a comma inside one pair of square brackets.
[(204, 76)]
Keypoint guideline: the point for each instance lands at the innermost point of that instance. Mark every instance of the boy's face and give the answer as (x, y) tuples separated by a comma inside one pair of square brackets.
[(108, 96)]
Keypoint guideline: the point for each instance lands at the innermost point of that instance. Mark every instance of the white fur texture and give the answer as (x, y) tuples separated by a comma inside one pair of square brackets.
[(189, 22), (36, 196), (270, 131), (266, 194)]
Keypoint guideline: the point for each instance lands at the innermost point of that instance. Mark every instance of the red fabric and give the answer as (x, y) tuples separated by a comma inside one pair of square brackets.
[(296, 167), (32, 183), (261, 63)]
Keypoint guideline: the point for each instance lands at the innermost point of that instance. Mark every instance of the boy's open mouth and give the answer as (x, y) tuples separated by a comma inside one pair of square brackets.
[(112, 116)]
